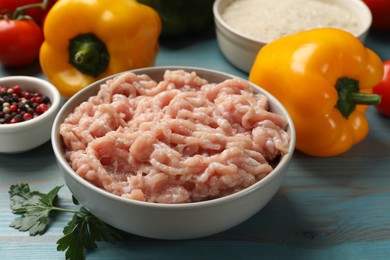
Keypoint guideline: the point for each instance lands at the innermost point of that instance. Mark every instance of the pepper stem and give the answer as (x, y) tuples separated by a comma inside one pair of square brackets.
[(349, 96), (88, 54), (365, 99)]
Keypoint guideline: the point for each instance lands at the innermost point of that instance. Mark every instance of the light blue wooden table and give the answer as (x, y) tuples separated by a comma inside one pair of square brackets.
[(327, 208)]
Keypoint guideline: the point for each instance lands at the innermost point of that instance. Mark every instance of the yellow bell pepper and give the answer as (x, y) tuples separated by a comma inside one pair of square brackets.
[(86, 40), (324, 78)]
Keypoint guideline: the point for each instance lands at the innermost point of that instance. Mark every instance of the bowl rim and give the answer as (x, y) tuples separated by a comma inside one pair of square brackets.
[(55, 102), (219, 20), (365, 25), (57, 146)]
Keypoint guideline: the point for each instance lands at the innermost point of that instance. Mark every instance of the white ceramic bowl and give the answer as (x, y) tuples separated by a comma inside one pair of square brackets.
[(26, 135), (171, 221), (241, 50)]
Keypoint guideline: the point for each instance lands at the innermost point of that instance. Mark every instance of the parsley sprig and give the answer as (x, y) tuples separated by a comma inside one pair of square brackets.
[(35, 209)]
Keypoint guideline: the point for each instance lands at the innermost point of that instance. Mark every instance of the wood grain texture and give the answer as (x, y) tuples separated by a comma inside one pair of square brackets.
[(327, 208)]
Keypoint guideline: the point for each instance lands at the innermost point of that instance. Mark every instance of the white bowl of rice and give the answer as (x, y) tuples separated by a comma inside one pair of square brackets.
[(244, 26), (173, 152)]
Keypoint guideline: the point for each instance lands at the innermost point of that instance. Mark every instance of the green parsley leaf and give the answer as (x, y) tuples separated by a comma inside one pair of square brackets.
[(33, 206), (82, 232)]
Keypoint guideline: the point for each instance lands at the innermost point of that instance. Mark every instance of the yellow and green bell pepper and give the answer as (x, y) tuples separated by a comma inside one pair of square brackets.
[(86, 40), (324, 77)]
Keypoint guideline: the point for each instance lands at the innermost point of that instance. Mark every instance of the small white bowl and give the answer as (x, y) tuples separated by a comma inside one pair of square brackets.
[(171, 221), (26, 135), (241, 50)]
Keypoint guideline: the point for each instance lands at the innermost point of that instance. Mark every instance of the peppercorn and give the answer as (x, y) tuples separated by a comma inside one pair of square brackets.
[(26, 95), (13, 108), (30, 110), (18, 105), (27, 116), (16, 89), (22, 106), (45, 100), (7, 118), (13, 121), (41, 108)]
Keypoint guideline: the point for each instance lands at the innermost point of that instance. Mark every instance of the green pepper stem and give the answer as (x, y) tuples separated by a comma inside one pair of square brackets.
[(349, 96), (88, 54), (365, 99)]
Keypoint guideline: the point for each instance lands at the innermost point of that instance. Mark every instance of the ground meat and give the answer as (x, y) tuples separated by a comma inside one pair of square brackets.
[(175, 141)]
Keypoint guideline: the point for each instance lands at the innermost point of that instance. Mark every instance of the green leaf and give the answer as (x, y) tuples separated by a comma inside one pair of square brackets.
[(82, 232), (33, 206), (51, 196), (75, 201)]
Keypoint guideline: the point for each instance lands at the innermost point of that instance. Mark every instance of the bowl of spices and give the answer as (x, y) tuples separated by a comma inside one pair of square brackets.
[(28, 106), (243, 27)]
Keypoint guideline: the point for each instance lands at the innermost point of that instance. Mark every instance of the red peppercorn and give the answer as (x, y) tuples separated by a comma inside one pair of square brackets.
[(27, 95), (13, 108), (41, 108), (13, 121), (16, 89), (36, 99), (27, 116)]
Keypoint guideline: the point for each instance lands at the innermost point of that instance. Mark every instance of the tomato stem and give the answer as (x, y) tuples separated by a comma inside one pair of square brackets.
[(19, 12)]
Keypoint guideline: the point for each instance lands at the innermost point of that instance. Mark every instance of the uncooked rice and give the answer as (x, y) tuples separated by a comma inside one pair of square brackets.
[(268, 20)]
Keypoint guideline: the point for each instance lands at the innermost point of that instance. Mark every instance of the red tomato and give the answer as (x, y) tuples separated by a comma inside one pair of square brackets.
[(383, 88), (36, 13), (20, 41), (380, 10)]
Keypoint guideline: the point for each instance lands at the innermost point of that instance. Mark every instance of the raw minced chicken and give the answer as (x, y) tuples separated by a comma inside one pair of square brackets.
[(175, 141)]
